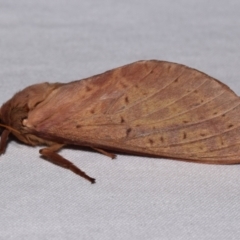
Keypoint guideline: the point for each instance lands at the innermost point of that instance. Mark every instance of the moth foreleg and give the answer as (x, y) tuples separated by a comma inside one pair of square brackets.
[(4, 138), (55, 158), (108, 154)]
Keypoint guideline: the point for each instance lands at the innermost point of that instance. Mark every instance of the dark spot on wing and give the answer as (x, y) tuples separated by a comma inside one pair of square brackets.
[(184, 135), (88, 89), (128, 131), (151, 141)]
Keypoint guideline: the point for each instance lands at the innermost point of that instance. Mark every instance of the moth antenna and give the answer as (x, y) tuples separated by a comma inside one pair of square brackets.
[(9, 128)]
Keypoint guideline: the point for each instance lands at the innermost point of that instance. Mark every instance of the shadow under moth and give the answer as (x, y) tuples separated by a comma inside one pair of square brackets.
[(149, 108)]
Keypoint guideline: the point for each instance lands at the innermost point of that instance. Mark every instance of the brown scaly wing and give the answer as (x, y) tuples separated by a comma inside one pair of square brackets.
[(147, 108)]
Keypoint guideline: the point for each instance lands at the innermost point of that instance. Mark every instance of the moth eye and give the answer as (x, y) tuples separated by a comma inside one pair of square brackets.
[(24, 121)]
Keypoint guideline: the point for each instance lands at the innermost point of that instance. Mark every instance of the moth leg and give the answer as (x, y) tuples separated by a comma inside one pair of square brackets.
[(55, 158), (3, 142), (108, 154)]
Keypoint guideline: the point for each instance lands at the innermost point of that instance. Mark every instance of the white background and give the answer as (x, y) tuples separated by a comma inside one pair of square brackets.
[(134, 197)]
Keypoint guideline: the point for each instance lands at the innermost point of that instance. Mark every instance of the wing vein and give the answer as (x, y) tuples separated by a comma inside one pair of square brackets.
[(152, 95), (189, 93), (191, 109), (192, 124)]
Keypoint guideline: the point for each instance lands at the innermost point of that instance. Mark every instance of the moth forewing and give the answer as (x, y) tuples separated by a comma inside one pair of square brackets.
[(151, 108)]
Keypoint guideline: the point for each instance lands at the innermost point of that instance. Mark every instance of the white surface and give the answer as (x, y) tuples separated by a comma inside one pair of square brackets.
[(134, 197)]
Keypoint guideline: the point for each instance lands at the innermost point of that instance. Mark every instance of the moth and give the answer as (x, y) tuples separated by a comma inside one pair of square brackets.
[(149, 108)]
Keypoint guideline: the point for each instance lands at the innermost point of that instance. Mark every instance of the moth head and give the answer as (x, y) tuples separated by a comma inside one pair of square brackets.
[(4, 125), (16, 110), (1, 121)]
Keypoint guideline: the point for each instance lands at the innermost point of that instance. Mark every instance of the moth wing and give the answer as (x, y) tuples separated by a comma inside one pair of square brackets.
[(148, 107)]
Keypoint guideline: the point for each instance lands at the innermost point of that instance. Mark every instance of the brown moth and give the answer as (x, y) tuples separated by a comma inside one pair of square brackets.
[(150, 108)]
